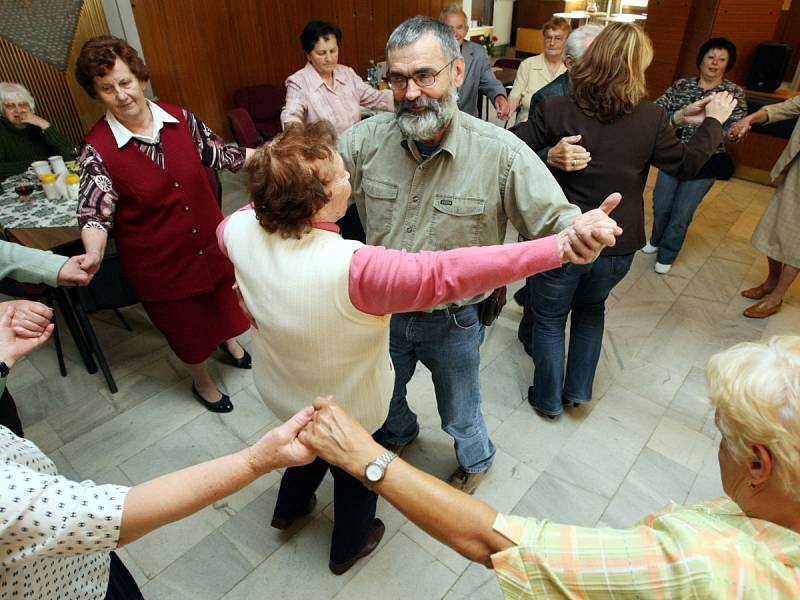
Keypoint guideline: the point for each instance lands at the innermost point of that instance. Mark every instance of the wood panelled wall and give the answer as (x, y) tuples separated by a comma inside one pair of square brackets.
[(201, 51), (58, 97), (679, 27)]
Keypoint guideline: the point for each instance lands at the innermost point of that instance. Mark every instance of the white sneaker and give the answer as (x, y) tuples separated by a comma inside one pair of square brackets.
[(649, 248), (662, 269)]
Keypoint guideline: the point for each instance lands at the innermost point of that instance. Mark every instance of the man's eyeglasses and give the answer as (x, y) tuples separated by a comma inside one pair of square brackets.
[(424, 79), (13, 105)]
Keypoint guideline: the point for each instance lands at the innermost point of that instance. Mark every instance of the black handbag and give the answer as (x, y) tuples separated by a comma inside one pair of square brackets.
[(490, 307)]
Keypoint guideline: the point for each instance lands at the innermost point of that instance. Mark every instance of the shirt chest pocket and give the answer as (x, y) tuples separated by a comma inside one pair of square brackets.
[(456, 221), (380, 198)]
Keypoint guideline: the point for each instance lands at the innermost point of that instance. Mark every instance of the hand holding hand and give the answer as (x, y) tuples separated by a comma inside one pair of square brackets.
[(14, 347), (738, 130), (502, 107), (567, 155), (720, 106), (339, 439), (280, 447), (30, 318), (243, 306), (72, 273), (90, 262), (592, 231)]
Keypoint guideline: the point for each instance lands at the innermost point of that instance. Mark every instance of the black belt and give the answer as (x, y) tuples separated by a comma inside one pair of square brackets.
[(450, 310)]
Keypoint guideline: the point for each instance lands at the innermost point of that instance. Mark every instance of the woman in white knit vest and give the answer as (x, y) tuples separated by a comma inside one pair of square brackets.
[(320, 305)]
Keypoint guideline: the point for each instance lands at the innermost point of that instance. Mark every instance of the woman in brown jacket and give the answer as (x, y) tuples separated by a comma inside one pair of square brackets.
[(623, 135)]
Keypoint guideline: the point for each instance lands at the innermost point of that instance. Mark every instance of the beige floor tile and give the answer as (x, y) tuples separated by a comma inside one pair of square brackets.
[(680, 443)]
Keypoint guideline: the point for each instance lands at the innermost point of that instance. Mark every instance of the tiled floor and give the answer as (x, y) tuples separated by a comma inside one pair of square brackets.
[(647, 438)]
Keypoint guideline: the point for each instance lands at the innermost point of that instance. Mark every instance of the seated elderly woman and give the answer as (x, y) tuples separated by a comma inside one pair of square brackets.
[(744, 545), (324, 89), (57, 536), (320, 305), (24, 135)]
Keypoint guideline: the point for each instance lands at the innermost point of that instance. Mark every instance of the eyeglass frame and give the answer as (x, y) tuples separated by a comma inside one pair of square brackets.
[(21, 105), (414, 77)]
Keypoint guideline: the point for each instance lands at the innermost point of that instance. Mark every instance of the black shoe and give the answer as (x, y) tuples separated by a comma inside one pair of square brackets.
[(240, 363), (284, 523), (223, 405), (521, 296), (536, 409), (373, 539)]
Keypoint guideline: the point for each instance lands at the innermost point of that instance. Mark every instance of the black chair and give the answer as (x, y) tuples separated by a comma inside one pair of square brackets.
[(109, 290)]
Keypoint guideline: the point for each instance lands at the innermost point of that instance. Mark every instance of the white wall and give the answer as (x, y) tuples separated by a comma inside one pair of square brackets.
[(503, 10)]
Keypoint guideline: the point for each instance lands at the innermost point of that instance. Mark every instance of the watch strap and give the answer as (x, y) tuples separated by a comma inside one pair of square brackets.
[(382, 461)]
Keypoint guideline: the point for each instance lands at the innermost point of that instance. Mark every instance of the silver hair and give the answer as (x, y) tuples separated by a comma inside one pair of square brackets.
[(426, 125), (453, 9), (579, 40), (14, 91), (413, 29)]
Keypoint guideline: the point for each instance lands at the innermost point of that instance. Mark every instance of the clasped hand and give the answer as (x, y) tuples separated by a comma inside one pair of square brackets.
[(589, 233)]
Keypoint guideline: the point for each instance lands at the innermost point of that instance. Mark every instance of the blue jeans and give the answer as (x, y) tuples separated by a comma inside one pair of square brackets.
[(582, 289), (448, 345), (674, 203)]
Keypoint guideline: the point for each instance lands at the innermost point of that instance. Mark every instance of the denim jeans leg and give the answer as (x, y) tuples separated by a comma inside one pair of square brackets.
[(663, 199), (551, 296), (401, 424), (525, 331), (450, 348), (587, 323), (688, 196)]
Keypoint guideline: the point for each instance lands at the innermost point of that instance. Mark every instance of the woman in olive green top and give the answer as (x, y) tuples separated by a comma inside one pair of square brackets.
[(24, 135)]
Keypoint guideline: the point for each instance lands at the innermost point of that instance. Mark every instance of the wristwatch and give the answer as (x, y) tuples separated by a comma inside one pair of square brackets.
[(4, 369), (376, 469)]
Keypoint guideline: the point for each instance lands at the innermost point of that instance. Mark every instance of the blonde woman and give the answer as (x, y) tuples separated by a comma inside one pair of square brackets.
[(624, 135), (743, 545)]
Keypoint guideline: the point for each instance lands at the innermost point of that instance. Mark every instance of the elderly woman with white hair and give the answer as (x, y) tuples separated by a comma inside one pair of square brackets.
[(24, 135), (743, 545)]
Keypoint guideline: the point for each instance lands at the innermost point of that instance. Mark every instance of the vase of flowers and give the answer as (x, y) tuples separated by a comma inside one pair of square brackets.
[(488, 42)]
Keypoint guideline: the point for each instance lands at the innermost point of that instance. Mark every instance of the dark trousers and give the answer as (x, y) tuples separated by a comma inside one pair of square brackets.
[(9, 417), (353, 505), (121, 584)]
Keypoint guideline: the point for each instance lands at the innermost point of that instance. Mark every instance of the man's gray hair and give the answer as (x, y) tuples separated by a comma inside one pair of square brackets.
[(413, 29), (579, 40), (14, 91), (453, 9)]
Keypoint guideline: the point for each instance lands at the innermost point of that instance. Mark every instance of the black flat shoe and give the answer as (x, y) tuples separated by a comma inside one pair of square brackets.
[(536, 410), (373, 539), (223, 405), (240, 363)]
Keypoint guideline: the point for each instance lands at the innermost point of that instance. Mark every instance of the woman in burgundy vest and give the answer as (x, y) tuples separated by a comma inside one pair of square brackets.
[(144, 176)]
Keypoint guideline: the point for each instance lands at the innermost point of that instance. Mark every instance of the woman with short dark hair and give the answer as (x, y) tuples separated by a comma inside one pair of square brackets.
[(674, 200), (320, 305), (143, 176), (326, 90)]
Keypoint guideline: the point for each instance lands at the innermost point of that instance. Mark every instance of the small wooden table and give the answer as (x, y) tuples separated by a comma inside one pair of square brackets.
[(45, 238)]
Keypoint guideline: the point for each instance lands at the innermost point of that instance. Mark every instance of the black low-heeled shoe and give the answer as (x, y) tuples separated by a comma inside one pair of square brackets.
[(536, 408), (240, 363), (223, 405)]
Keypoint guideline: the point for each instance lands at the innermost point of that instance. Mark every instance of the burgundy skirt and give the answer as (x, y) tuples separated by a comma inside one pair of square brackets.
[(195, 326)]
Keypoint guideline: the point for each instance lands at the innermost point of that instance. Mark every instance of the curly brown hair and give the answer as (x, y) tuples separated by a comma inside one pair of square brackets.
[(98, 56), (609, 81), (286, 177)]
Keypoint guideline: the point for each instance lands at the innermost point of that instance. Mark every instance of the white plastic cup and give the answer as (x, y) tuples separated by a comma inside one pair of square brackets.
[(41, 167), (57, 164)]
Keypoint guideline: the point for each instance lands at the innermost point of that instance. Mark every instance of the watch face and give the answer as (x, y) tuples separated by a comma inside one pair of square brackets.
[(374, 472)]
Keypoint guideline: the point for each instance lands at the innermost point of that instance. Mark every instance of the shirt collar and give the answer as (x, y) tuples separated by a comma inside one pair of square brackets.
[(316, 78), (326, 226), (123, 135), (449, 143)]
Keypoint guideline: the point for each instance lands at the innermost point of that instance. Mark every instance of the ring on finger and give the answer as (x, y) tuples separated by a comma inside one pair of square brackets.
[(574, 163)]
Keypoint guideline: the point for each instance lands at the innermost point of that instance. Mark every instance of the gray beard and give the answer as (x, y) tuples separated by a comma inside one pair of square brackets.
[(425, 126)]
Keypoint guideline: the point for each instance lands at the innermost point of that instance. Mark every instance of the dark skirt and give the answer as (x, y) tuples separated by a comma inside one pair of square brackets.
[(195, 326), (121, 584)]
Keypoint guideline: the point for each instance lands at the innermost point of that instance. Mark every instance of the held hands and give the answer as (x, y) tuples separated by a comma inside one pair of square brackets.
[(738, 130), (280, 447), (502, 107), (718, 106), (90, 262), (13, 346), (567, 155), (582, 242), (30, 319), (72, 272)]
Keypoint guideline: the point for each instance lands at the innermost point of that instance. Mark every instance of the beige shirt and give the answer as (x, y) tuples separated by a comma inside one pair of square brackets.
[(532, 75), (464, 194)]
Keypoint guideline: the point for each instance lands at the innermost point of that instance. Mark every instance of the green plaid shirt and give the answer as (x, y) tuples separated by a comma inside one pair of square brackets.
[(709, 550)]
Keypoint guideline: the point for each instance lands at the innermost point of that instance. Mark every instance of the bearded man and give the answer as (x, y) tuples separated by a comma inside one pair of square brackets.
[(430, 177)]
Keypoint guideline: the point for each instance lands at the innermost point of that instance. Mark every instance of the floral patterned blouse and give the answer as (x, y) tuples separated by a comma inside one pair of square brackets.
[(97, 197)]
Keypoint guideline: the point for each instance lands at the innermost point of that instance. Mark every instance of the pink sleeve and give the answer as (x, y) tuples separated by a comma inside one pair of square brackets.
[(221, 229), (384, 281)]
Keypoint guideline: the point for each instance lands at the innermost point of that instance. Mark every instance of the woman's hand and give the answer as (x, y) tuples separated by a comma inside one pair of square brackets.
[(280, 447), (582, 242), (30, 318), (72, 273), (738, 130), (31, 118), (243, 305), (14, 347), (720, 106), (567, 155), (339, 439)]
